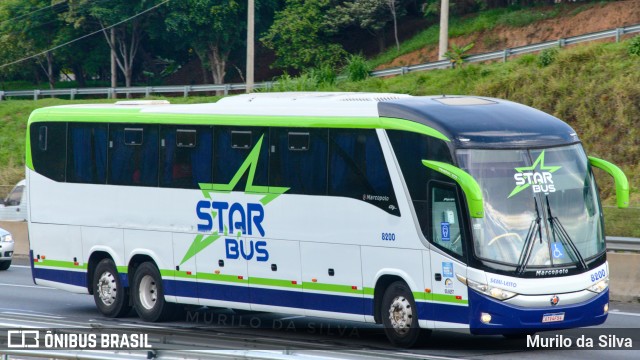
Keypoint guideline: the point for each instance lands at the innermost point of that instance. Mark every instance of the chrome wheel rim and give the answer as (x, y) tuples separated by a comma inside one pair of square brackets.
[(148, 292), (401, 315), (107, 288)]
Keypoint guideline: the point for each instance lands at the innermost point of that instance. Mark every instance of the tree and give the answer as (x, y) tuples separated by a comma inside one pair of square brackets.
[(370, 15), (128, 35), (34, 25), (215, 29), (301, 36)]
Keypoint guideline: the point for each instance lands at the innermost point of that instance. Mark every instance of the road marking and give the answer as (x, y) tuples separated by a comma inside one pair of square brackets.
[(21, 266), (32, 315), (293, 317), (28, 286), (617, 312)]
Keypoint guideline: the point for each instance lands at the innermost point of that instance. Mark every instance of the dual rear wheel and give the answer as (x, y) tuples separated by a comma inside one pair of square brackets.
[(145, 294)]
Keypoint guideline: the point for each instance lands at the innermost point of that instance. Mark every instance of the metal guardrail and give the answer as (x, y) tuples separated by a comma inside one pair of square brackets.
[(623, 243), (226, 88)]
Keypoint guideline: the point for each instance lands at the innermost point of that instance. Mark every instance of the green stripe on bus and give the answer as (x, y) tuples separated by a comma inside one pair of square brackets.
[(274, 282), (60, 264), (222, 277), (448, 299), (332, 288), (122, 269), (369, 291)]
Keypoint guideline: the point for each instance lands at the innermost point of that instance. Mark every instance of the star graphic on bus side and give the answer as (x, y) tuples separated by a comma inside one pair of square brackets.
[(269, 193)]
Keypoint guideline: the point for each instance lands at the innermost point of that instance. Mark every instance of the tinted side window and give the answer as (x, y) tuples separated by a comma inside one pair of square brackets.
[(231, 148), (298, 160), (49, 149), (357, 168), (87, 153), (186, 156), (133, 155), (410, 149)]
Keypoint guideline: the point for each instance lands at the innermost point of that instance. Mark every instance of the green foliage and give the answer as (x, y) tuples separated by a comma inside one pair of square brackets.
[(634, 46), (325, 75), (457, 54), (357, 68), (301, 36), (304, 82), (547, 57)]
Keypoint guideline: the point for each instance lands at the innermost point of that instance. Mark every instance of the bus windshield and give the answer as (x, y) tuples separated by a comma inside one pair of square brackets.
[(541, 206)]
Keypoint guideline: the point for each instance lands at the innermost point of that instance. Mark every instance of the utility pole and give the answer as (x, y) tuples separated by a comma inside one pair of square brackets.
[(444, 29), (114, 70), (250, 44)]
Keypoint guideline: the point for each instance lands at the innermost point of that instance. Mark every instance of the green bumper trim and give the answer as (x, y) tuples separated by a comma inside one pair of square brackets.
[(469, 185), (622, 184)]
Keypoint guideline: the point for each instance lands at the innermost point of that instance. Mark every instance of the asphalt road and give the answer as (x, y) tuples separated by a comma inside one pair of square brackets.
[(25, 305)]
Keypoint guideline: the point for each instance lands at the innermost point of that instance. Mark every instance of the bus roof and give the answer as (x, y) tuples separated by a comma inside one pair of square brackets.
[(468, 121)]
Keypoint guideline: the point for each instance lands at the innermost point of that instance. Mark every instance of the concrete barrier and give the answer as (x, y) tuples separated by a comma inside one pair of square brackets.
[(624, 277), (624, 268)]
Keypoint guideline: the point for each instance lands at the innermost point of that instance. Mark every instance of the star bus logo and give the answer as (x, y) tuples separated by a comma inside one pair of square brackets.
[(248, 167), (540, 180)]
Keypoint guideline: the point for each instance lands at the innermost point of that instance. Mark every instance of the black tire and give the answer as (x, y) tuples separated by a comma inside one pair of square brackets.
[(4, 265), (109, 294), (404, 330), (149, 303)]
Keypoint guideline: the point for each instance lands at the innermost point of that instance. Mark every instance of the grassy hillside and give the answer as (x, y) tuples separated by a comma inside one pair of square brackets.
[(483, 21)]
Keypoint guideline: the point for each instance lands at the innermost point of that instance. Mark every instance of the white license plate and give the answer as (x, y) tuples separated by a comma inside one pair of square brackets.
[(546, 318)]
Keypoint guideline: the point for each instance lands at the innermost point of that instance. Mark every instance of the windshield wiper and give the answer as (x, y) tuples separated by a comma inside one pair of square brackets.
[(529, 241), (563, 235)]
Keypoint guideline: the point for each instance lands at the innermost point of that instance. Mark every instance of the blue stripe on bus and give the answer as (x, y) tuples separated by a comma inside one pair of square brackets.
[(443, 312), (77, 278), (273, 297)]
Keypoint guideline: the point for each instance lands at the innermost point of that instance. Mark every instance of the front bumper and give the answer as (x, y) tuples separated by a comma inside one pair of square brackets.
[(510, 319), (6, 250)]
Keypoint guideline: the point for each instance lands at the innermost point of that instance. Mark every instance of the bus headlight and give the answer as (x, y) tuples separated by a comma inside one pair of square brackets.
[(7, 238), (600, 286), (494, 292)]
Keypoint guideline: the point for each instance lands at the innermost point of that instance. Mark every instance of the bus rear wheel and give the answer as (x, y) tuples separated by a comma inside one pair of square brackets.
[(108, 293), (148, 294), (399, 316)]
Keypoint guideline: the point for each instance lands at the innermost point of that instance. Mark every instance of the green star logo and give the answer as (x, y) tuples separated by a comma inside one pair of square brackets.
[(269, 193), (539, 164)]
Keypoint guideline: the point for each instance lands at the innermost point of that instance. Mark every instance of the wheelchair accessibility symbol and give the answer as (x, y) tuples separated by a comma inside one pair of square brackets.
[(557, 251)]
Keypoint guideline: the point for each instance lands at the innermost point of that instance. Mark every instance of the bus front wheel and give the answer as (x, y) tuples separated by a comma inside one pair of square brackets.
[(108, 293), (148, 294), (399, 316)]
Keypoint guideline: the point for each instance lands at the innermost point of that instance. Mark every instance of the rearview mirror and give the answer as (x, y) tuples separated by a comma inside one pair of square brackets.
[(469, 185), (622, 184)]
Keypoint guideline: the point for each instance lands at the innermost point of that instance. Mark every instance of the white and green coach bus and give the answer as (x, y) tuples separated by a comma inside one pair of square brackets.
[(418, 213)]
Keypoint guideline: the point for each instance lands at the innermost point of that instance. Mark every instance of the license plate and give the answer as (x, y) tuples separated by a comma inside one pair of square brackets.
[(546, 318)]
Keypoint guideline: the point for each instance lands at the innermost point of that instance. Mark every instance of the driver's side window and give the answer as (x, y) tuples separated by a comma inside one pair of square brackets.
[(446, 229)]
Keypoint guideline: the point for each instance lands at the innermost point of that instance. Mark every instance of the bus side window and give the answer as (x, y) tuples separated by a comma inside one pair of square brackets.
[(357, 169), (185, 156), (133, 155), (49, 149), (446, 230), (87, 153), (231, 148), (298, 160)]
